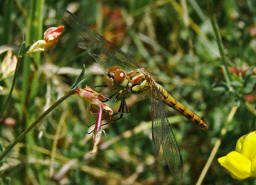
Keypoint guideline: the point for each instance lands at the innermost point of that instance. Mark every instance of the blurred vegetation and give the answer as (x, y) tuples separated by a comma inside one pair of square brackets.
[(176, 42)]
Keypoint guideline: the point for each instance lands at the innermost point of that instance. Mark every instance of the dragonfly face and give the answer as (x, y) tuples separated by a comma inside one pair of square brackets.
[(133, 81), (116, 78)]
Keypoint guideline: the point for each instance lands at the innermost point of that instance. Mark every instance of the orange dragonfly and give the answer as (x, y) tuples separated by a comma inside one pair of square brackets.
[(124, 77)]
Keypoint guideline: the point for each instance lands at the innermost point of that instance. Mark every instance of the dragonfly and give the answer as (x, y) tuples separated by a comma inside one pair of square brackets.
[(125, 77)]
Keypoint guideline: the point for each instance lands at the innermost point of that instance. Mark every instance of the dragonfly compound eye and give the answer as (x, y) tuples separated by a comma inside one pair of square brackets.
[(114, 69), (119, 76), (116, 74)]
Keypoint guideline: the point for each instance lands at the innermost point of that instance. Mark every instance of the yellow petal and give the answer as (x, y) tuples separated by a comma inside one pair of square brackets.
[(246, 145), (39, 45), (239, 144), (237, 164)]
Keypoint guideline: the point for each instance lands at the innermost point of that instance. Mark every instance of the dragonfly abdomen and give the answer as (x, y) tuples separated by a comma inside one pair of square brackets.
[(172, 102)]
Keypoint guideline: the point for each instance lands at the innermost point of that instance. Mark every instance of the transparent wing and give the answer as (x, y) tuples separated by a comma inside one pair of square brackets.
[(97, 47), (163, 137)]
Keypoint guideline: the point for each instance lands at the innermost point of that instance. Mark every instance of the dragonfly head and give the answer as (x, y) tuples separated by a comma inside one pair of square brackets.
[(116, 77)]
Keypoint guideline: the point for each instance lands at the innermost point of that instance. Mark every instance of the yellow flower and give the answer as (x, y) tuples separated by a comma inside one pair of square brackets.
[(39, 45), (241, 163), (237, 164), (246, 145)]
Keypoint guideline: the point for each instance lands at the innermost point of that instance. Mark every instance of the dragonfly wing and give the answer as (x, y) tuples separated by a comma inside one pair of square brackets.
[(97, 47), (163, 136)]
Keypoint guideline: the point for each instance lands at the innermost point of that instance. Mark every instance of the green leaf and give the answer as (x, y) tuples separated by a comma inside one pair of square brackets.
[(79, 80), (220, 89), (250, 85), (249, 72), (236, 84)]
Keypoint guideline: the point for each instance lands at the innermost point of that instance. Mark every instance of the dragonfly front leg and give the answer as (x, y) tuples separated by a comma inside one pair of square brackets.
[(102, 85), (123, 108), (126, 107)]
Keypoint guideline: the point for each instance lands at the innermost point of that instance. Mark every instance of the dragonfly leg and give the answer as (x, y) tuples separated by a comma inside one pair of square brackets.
[(120, 117), (123, 108), (90, 132), (120, 111), (116, 119), (102, 85), (111, 96), (126, 107)]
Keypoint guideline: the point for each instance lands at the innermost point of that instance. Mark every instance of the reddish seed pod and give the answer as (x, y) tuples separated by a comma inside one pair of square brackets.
[(53, 33), (8, 121)]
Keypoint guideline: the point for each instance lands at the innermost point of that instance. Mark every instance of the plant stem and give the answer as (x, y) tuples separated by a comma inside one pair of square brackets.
[(217, 145), (31, 84), (221, 50), (8, 10), (34, 124)]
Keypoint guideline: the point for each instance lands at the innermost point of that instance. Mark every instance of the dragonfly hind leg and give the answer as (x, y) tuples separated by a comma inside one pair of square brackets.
[(123, 108), (116, 119), (102, 85)]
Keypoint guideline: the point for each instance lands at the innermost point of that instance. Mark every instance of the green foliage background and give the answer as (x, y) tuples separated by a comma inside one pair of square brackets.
[(175, 41)]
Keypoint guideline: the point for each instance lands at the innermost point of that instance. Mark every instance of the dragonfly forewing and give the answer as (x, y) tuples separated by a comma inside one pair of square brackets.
[(101, 50), (165, 144)]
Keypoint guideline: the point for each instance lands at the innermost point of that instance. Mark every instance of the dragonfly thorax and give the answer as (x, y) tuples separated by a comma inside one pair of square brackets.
[(139, 87), (137, 81)]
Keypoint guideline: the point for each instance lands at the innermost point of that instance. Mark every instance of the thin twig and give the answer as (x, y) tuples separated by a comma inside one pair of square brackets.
[(55, 142), (250, 108), (216, 146)]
